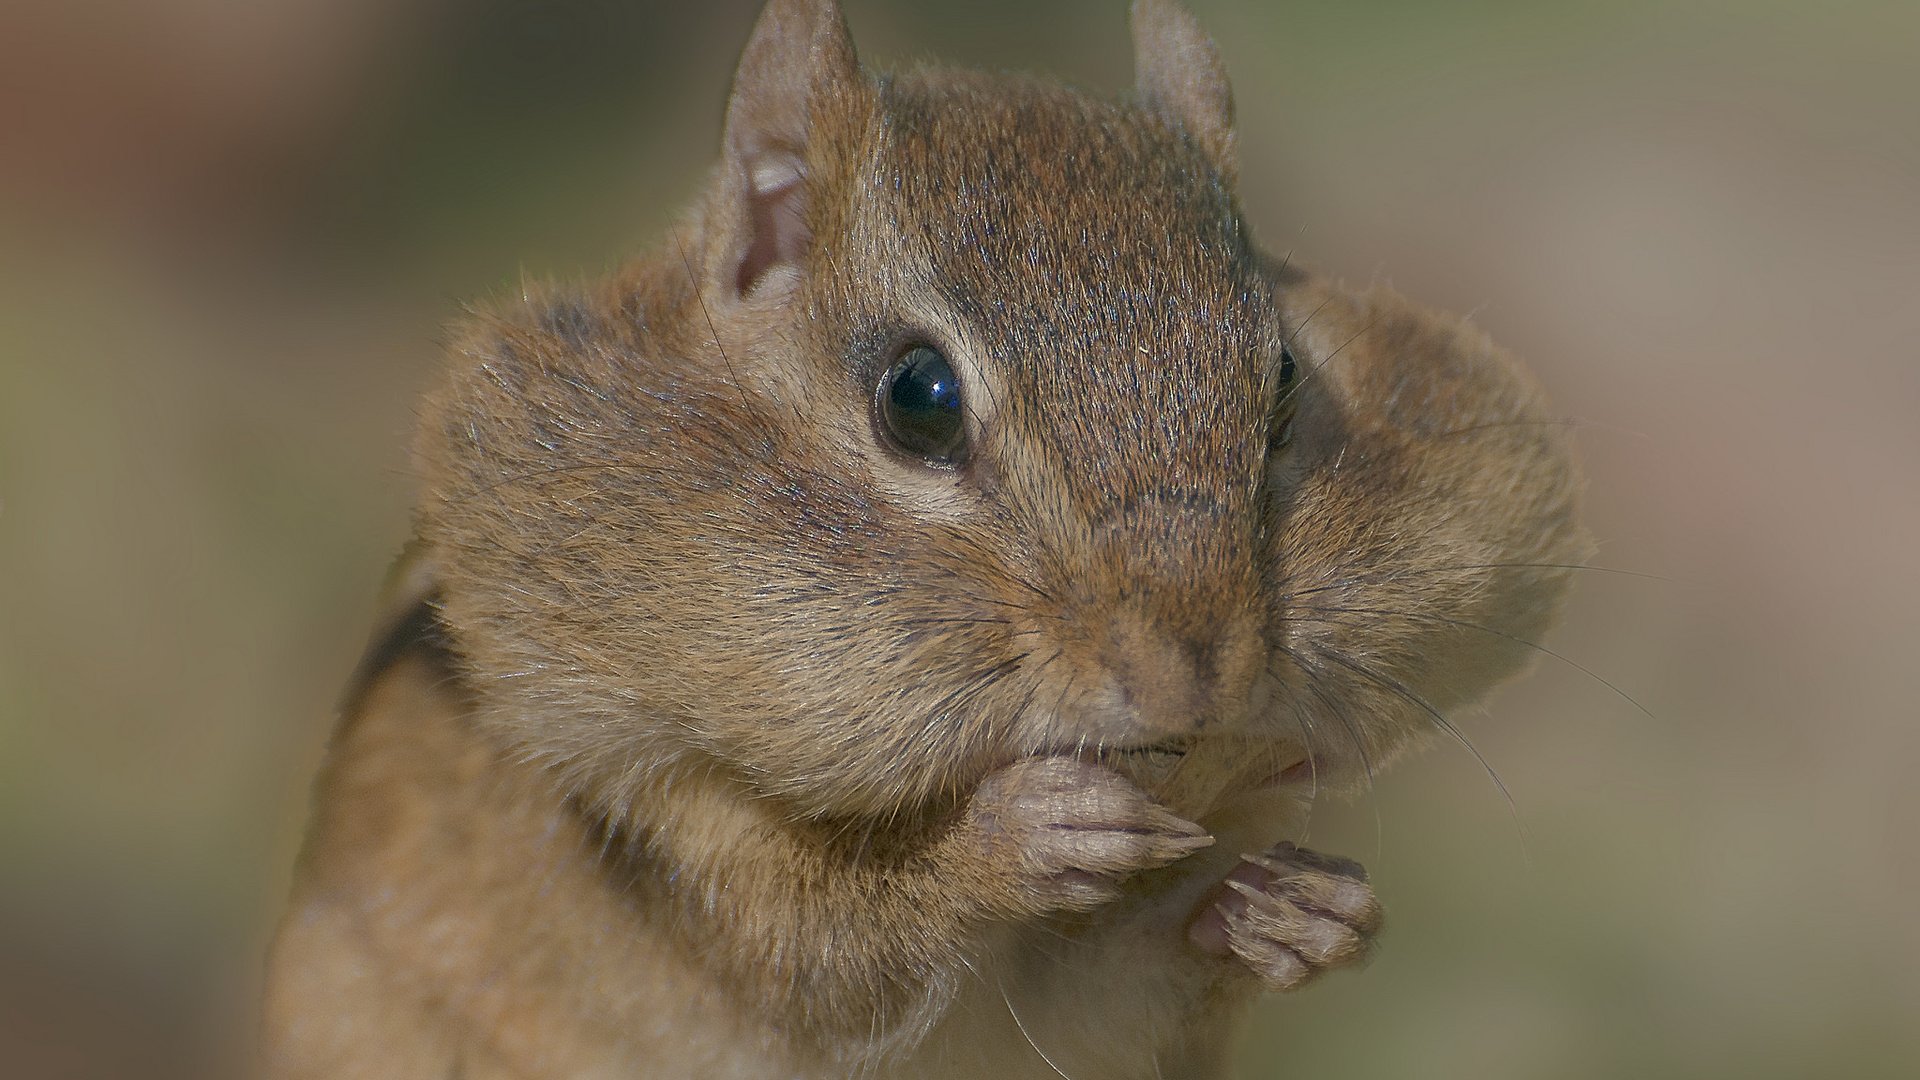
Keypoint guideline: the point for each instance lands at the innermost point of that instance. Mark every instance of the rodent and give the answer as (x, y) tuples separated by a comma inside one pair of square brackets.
[(863, 636)]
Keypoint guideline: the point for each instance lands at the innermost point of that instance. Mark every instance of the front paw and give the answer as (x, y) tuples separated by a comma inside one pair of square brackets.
[(1288, 915), (1071, 831)]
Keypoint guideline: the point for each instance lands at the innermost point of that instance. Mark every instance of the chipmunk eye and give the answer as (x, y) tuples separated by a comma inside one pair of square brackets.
[(919, 406), (1280, 430)]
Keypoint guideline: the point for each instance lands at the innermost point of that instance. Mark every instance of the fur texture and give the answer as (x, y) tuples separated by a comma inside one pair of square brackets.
[(745, 745)]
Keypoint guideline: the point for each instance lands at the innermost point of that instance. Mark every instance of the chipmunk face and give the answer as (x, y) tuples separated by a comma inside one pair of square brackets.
[(982, 430), (1114, 363)]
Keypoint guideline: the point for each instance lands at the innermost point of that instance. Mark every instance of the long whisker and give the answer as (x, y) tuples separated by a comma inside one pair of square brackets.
[(1021, 580), (1287, 342), (1313, 775), (1359, 744), (714, 332), (1496, 425), (1024, 1033), (1580, 422), (1515, 638), (1333, 708), (991, 678), (1445, 725), (1421, 571), (976, 684), (1328, 359), (1066, 690)]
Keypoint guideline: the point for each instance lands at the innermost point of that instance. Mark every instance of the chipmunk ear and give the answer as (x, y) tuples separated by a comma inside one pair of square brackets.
[(799, 59), (1178, 74)]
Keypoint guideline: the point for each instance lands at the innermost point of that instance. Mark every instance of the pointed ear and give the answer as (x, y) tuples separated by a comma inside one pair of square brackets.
[(798, 60), (1178, 74)]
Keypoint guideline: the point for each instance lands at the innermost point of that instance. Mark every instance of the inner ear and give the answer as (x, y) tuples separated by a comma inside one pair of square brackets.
[(775, 218), (798, 67)]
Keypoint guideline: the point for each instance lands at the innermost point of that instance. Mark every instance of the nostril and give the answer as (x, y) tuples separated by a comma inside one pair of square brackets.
[(1158, 677), (1125, 709), (1148, 674)]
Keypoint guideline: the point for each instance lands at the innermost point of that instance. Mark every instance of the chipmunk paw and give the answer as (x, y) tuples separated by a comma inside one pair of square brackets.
[(1289, 914), (1073, 830)]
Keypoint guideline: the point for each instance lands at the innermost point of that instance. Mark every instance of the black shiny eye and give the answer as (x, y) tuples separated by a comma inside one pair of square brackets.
[(1280, 427), (919, 406)]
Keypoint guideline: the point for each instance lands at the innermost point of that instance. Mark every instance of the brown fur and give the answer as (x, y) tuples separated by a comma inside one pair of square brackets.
[(737, 744)]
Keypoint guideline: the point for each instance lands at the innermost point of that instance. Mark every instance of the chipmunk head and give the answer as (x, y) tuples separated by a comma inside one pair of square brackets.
[(965, 421)]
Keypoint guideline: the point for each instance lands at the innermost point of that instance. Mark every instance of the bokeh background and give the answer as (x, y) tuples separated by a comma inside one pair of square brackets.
[(229, 232)]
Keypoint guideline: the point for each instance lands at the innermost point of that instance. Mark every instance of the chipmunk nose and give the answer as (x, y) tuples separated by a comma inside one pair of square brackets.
[(1163, 681)]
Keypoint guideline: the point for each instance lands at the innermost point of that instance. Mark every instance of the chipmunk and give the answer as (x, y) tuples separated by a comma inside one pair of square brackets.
[(892, 629)]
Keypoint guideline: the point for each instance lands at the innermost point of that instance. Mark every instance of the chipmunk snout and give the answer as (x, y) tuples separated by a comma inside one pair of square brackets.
[(1157, 678), (1163, 635)]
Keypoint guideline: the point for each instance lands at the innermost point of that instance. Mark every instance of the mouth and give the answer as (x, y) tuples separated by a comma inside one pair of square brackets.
[(1167, 749), (1154, 766), (1160, 758), (1165, 754)]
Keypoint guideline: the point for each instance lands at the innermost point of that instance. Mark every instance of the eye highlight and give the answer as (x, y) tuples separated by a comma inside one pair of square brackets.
[(917, 406)]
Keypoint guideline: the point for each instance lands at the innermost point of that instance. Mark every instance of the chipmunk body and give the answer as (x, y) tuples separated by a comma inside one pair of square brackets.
[(865, 636)]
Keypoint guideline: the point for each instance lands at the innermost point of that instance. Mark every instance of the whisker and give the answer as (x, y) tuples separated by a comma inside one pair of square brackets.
[(714, 332), (1580, 422), (1287, 342), (1445, 725), (1021, 581), (1066, 689), (1558, 421), (1318, 689), (1495, 425), (1313, 775), (972, 686), (1288, 259), (966, 402), (1515, 638), (1396, 575), (1024, 1033), (976, 684), (1328, 359)]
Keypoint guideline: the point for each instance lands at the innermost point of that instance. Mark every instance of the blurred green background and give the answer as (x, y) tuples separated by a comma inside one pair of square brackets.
[(229, 232)]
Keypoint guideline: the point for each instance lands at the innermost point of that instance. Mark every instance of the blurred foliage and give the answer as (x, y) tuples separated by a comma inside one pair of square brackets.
[(228, 234)]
